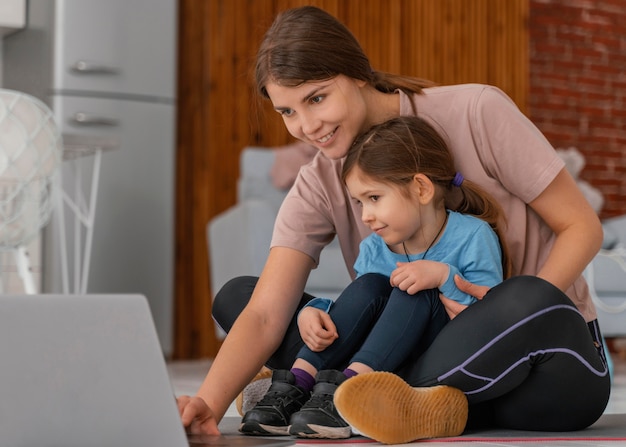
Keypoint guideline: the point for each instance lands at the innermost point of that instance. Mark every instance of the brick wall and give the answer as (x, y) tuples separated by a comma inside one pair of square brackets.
[(577, 91)]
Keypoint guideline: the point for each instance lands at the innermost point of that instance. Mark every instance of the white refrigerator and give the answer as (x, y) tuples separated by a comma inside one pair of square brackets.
[(108, 71)]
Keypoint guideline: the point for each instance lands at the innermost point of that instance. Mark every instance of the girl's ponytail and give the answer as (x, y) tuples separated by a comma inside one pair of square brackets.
[(474, 200)]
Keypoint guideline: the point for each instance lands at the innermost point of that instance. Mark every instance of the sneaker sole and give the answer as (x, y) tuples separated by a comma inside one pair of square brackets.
[(256, 429), (253, 392), (320, 432), (382, 406)]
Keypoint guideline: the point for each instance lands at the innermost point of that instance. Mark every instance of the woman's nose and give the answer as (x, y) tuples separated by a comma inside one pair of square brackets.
[(310, 124)]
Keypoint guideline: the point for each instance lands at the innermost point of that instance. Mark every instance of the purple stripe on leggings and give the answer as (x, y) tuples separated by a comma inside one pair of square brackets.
[(461, 368)]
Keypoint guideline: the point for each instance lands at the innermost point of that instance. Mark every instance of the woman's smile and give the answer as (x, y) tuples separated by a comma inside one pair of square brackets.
[(326, 138)]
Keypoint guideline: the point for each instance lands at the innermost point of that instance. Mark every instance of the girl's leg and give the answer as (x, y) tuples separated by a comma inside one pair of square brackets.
[(523, 356), (354, 313), (234, 296), (379, 325), (406, 328)]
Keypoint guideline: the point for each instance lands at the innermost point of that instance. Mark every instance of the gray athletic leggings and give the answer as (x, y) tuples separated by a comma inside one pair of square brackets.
[(523, 355)]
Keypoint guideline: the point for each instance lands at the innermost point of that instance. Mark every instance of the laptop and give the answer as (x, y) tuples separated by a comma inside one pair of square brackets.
[(87, 371)]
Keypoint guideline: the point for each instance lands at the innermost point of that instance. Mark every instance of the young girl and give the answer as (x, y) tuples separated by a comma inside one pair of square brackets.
[(403, 177), (533, 343)]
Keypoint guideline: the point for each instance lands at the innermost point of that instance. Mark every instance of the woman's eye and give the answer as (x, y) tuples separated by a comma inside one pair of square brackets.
[(286, 112), (317, 99)]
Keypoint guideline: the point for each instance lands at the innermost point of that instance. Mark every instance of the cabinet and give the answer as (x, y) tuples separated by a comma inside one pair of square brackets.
[(125, 47)]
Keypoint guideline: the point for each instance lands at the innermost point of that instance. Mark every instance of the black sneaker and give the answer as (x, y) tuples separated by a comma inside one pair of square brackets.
[(318, 418), (271, 415)]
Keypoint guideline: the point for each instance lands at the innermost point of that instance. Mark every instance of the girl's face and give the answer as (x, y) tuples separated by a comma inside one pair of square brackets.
[(388, 212), (326, 114)]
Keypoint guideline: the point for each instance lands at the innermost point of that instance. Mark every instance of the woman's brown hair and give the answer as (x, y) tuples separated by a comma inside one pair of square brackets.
[(394, 151), (308, 44)]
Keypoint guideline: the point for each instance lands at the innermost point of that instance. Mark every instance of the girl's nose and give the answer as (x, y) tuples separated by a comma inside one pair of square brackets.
[(366, 216)]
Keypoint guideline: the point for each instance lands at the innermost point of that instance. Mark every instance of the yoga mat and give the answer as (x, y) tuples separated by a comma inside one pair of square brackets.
[(610, 427)]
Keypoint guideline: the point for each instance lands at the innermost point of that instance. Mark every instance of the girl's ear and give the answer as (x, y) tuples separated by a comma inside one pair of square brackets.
[(423, 188)]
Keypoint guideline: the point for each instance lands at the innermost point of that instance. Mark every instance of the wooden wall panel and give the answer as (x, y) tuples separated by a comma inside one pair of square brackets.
[(447, 41)]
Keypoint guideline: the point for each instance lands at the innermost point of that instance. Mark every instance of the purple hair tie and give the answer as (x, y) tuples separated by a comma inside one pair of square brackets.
[(458, 179)]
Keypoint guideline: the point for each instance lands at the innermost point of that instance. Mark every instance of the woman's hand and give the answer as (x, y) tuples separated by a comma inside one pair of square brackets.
[(196, 416), (474, 290), (419, 275), (453, 308), (317, 329)]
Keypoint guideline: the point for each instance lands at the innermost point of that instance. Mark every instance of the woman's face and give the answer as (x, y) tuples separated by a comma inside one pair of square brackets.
[(326, 114)]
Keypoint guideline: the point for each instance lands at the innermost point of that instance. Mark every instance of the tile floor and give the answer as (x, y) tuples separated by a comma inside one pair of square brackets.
[(186, 377)]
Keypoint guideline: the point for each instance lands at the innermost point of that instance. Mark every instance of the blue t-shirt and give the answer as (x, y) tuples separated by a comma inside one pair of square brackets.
[(468, 245)]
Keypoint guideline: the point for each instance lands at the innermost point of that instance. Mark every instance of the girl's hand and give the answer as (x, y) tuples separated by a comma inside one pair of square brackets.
[(317, 329), (419, 275), (196, 416)]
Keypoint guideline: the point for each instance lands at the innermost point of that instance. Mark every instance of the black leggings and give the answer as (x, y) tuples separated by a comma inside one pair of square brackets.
[(524, 356)]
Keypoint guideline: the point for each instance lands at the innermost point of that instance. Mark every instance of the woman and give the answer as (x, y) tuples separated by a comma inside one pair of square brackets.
[(318, 78)]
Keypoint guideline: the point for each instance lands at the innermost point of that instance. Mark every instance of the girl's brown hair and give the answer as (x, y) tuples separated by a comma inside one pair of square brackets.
[(308, 44), (394, 151)]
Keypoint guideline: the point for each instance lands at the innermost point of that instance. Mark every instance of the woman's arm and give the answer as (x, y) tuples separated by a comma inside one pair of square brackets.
[(578, 235), (577, 227), (255, 335), (520, 157)]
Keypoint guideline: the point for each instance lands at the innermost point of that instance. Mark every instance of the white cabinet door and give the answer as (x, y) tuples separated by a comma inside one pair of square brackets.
[(116, 46)]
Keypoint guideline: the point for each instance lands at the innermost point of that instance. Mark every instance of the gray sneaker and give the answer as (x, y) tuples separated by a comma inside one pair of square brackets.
[(318, 417)]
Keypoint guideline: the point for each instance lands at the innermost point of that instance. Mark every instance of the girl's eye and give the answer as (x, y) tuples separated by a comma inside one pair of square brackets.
[(286, 112), (317, 99), (374, 198)]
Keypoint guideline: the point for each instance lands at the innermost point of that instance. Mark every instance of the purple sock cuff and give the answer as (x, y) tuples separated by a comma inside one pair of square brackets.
[(304, 380), (349, 373)]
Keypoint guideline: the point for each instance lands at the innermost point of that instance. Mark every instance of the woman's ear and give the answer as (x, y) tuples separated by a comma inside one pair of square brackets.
[(423, 188)]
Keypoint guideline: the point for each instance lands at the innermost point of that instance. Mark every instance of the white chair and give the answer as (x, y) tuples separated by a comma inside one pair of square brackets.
[(30, 159)]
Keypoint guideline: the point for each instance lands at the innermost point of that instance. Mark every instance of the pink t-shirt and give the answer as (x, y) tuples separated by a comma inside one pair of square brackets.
[(493, 144)]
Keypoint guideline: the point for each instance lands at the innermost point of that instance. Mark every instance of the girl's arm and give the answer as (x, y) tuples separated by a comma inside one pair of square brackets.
[(255, 335)]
